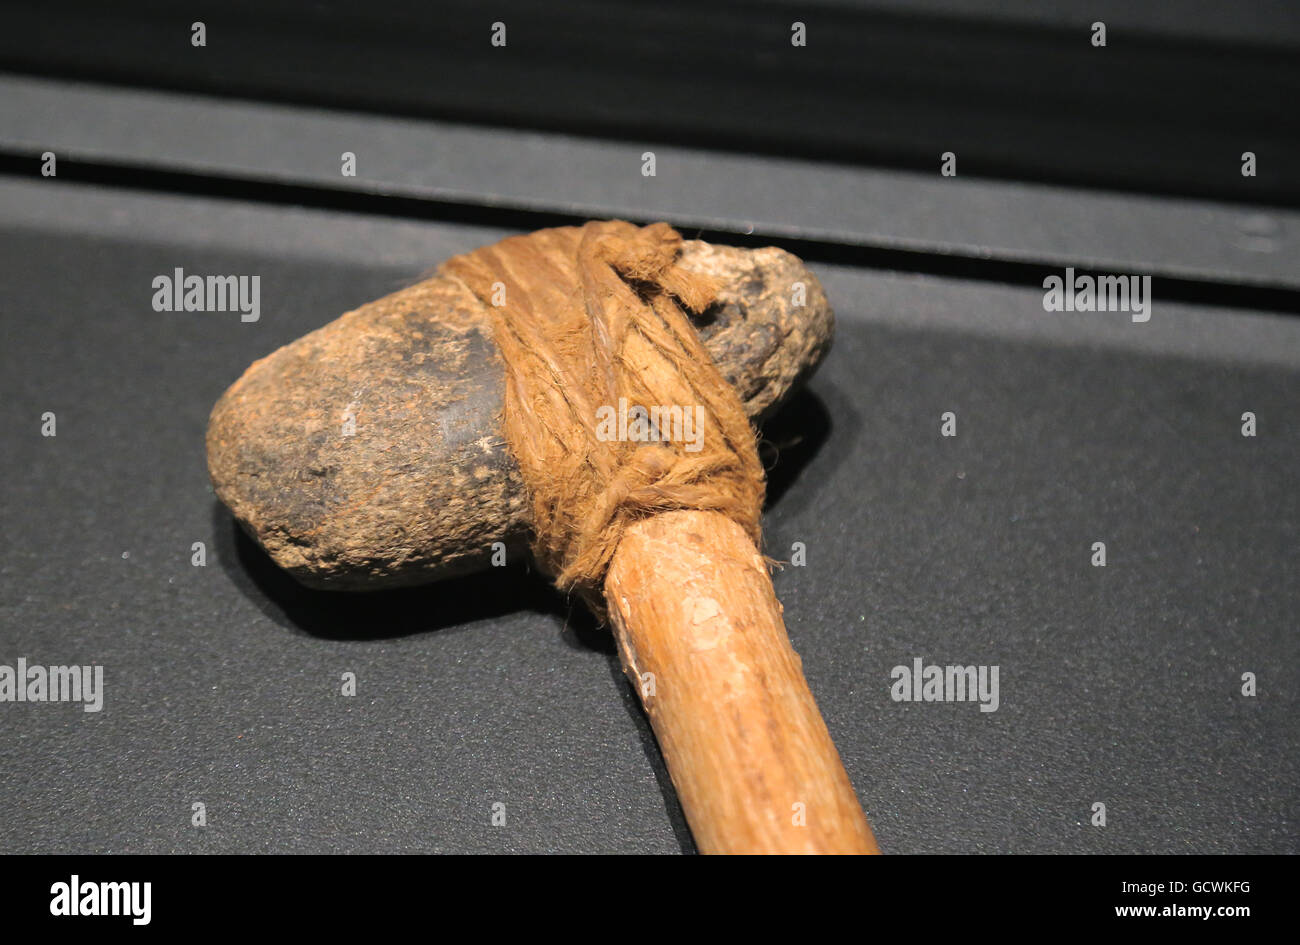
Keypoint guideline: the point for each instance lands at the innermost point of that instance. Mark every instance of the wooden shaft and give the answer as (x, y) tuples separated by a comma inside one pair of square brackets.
[(702, 640)]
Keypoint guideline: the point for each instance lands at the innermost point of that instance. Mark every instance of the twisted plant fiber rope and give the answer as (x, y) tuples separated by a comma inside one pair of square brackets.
[(591, 314)]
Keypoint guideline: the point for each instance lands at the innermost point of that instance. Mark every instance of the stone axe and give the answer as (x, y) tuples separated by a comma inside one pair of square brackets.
[(371, 454)]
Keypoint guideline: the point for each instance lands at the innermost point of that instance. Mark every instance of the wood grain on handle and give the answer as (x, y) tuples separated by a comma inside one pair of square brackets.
[(754, 766)]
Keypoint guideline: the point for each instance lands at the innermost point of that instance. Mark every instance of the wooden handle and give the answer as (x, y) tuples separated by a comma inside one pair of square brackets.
[(702, 640)]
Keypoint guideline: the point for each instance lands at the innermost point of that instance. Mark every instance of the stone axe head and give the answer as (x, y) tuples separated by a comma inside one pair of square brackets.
[(368, 454)]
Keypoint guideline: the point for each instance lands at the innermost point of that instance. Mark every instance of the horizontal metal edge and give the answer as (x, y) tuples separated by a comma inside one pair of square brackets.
[(977, 219)]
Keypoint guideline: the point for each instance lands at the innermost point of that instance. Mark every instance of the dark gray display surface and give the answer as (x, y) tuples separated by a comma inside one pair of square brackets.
[(1119, 685)]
